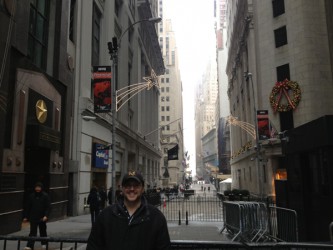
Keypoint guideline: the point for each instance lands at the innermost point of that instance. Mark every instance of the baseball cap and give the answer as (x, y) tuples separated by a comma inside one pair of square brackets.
[(133, 175)]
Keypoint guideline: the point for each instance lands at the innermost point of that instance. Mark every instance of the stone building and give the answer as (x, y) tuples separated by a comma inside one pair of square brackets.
[(280, 63)]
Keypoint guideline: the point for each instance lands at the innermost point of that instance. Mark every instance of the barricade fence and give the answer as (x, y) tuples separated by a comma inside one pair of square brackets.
[(16, 242), (255, 222), (192, 208)]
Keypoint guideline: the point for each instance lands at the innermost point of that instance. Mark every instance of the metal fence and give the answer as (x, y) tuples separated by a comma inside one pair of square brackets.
[(16, 242), (255, 222), (192, 208)]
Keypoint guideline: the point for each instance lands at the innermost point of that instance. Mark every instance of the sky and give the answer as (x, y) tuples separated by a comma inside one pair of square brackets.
[(193, 24)]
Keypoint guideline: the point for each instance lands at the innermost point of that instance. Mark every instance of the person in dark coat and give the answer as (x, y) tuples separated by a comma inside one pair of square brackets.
[(110, 196), (132, 223), (94, 204), (103, 196), (37, 213)]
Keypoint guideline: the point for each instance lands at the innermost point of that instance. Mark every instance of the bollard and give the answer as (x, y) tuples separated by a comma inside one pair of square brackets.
[(179, 221), (186, 218)]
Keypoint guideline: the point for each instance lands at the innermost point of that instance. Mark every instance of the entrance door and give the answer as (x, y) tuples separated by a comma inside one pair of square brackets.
[(37, 162)]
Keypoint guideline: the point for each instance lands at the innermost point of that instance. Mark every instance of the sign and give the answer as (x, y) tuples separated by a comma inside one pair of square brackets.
[(100, 156), (173, 153), (263, 125), (102, 88)]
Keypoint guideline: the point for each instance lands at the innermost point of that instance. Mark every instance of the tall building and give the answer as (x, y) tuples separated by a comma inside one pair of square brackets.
[(36, 94), (280, 63), (206, 96), (222, 104), (95, 24), (171, 108)]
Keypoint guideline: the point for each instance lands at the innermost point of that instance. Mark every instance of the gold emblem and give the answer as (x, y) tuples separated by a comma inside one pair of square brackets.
[(41, 111), (131, 173)]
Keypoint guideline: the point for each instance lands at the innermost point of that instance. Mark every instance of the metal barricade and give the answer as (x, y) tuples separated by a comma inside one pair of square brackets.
[(16, 242), (254, 222)]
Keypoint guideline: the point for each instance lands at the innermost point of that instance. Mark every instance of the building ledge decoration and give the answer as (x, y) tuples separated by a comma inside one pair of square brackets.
[(285, 88)]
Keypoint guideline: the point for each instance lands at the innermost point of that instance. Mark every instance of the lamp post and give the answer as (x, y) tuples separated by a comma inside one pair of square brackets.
[(248, 76), (113, 51)]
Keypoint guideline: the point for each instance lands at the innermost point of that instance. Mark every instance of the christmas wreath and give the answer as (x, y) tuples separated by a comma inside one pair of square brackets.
[(284, 88)]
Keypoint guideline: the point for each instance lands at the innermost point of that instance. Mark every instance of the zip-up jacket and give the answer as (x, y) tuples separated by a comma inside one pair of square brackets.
[(38, 206), (114, 229)]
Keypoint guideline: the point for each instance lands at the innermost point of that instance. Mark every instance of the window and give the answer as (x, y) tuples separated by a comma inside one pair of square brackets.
[(162, 80), (278, 7), (96, 36), (167, 108), (168, 118), (283, 72), (162, 108), (38, 26), (162, 89), (71, 20), (286, 118), (167, 80), (280, 36), (162, 118), (167, 127), (162, 98), (167, 98), (167, 71), (167, 89)]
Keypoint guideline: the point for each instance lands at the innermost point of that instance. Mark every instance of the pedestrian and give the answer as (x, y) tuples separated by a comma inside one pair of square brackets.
[(132, 223), (119, 193), (94, 204), (37, 213), (110, 196), (103, 196)]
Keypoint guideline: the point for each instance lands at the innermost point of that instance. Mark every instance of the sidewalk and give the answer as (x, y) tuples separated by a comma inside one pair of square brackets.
[(80, 226)]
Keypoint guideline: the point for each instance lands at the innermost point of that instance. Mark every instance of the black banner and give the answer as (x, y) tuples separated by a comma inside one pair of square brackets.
[(173, 153), (102, 88), (263, 125)]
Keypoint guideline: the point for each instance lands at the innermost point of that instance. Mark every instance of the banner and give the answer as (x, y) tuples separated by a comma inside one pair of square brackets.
[(263, 124), (173, 153), (102, 88), (100, 155)]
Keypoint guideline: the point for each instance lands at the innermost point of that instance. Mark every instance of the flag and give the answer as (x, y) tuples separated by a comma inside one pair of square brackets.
[(173, 153)]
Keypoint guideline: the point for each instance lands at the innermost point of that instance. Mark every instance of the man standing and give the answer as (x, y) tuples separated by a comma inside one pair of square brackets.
[(37, 212), (132, 223)]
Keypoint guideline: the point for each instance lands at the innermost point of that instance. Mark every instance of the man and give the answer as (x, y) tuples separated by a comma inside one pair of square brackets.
[(37, 212), (132, 223)]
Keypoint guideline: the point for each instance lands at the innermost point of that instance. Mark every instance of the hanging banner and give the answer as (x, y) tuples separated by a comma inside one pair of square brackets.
[(173, 153), (263, 124), (102, 88), (100, 156)]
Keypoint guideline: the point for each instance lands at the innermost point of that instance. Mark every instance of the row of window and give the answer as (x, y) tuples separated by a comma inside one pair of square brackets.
[(165, 108), (165, 98), (165, 118), (167, 89)]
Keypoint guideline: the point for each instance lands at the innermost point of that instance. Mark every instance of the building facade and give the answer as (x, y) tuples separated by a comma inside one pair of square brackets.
[(137, 102), (276, 54), (36, 90), (171, 108)]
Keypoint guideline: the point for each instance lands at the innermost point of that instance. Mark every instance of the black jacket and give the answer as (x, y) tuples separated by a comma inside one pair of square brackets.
[(147, 230), (94, 200), (37, 207)]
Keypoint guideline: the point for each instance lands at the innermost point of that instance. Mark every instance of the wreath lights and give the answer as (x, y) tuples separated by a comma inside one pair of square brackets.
[(284, 88)]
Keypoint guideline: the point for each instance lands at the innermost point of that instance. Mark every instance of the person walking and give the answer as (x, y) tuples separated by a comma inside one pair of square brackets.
[(132, 223), (94, 204), (103, 196), (110, 196), (37, 212)]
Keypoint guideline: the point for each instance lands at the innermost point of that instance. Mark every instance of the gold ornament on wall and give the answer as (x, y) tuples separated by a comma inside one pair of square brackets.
[(41, 111)]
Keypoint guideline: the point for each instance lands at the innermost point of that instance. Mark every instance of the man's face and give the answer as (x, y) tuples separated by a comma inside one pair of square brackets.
[(132, 190), (38, 189)]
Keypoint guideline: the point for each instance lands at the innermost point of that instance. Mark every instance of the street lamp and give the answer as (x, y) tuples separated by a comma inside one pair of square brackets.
[(113, 51), (248, 76)]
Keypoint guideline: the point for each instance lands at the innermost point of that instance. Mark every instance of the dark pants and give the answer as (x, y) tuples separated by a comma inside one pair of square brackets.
[(94, 213), (33, 232)]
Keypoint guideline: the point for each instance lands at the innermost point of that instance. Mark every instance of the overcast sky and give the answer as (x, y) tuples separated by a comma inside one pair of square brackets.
[(193, 24)]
